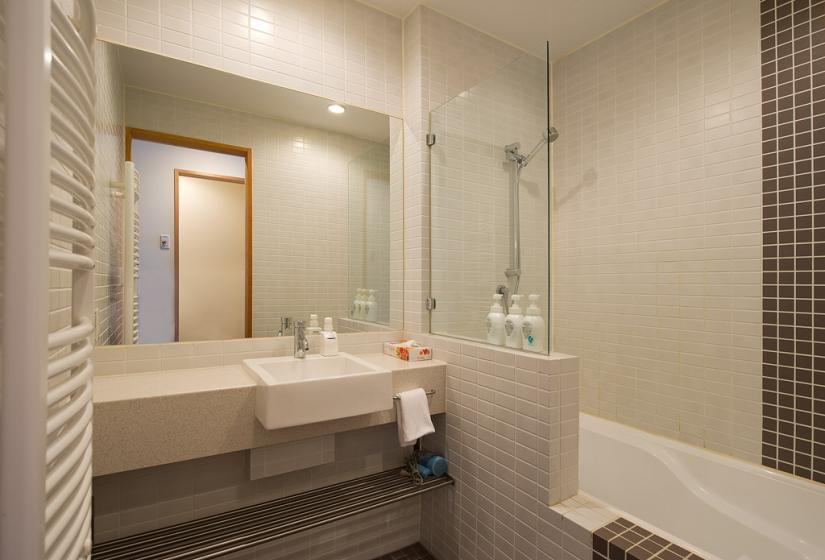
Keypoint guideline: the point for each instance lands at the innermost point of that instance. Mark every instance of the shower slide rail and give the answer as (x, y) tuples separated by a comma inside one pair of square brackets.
[(248, 527)]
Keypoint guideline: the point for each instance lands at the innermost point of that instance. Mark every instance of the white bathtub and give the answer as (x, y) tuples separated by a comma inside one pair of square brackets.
[(729, 508)]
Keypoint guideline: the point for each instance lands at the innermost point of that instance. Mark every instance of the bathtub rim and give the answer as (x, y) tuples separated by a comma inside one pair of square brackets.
[(630, 435)]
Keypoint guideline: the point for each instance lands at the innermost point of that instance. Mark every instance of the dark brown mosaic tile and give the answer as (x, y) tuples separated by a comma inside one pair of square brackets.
[(414, 552), (624, 540), (793, 225)]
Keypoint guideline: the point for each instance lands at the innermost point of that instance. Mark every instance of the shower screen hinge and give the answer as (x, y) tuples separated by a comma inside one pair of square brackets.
[(430, 303), (430, 140)]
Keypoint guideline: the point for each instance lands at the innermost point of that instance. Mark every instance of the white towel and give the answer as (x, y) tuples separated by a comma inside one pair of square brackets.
[(413, 415)]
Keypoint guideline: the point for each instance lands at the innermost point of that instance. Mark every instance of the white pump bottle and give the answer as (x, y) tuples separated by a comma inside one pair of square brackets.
[(495, 322), (512, 324), (532, 326), (371, 307)]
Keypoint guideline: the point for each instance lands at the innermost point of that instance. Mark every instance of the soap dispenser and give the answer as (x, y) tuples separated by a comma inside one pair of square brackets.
[(329, 339), (371, 307), (359, 304), (313, 327), (532, 326), (512, 324), (495, 322)]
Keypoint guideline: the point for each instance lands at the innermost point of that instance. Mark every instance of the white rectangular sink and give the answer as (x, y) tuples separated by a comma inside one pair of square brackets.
[(296, 391)]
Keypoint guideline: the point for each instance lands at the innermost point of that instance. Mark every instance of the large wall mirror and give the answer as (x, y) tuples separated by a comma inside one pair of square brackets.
[(244, 206)]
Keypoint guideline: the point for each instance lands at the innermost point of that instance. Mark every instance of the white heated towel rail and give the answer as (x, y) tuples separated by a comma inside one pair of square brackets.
[(129, 190), (46, 412)]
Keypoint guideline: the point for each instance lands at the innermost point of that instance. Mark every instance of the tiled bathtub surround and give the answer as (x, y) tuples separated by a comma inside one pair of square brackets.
[(585, 528), (512, 442), (793, 154), (657, 222), (624, 540)]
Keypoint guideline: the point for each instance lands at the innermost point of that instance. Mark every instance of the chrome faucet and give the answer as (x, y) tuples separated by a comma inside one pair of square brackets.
[(286, 323), (301, 340)]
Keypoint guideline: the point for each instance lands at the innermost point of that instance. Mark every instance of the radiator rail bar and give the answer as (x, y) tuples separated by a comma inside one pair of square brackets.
[(217, 535)]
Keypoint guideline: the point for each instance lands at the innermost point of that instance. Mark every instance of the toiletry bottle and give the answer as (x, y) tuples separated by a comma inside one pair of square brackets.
[(360, 303), (435, 464), (313, 327), (512, 324), (329, 339), (371, 313), (353, 310), (495, 322), (532, 326)]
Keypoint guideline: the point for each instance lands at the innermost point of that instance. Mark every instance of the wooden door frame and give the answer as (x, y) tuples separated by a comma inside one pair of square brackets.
[(209, 146)]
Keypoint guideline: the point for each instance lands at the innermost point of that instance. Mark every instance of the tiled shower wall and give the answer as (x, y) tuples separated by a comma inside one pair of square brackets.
[(339, 49), (109, 151), (312, 224), (793, 155), (657, 218)]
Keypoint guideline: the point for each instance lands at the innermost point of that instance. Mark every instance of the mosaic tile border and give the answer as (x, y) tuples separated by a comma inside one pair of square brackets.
[(624, 540), (793, 186)]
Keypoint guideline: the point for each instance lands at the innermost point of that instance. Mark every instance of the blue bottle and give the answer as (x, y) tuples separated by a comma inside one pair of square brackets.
[(435, 464)]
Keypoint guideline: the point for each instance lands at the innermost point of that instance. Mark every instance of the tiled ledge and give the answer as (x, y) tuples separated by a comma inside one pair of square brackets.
[(592, 530), (155, 418)]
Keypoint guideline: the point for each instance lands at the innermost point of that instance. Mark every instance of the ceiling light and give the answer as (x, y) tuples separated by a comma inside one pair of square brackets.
[(335, 108)]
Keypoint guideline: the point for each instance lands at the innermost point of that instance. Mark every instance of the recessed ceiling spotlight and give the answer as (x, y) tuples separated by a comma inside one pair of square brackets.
[(335, 108)]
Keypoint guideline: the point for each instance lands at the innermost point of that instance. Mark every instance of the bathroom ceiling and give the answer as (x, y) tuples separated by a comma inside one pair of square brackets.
[(527, 24)]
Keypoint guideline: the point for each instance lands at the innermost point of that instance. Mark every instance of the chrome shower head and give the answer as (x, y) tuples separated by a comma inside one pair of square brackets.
[(551, 135)]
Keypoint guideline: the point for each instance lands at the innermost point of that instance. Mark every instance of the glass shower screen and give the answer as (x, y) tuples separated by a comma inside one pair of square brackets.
[(489, 198)]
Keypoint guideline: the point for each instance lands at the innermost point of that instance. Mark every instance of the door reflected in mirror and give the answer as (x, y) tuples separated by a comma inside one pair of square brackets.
[(252, 206), (211, 281)]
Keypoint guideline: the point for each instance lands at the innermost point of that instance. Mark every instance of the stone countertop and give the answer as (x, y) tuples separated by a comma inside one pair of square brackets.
[(147, 419)]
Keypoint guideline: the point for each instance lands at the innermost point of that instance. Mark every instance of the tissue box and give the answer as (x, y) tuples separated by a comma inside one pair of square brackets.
[(408, 353)]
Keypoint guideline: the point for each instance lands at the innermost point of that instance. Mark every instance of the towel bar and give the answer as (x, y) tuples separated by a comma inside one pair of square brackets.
[(429, 393), (244, 528)]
